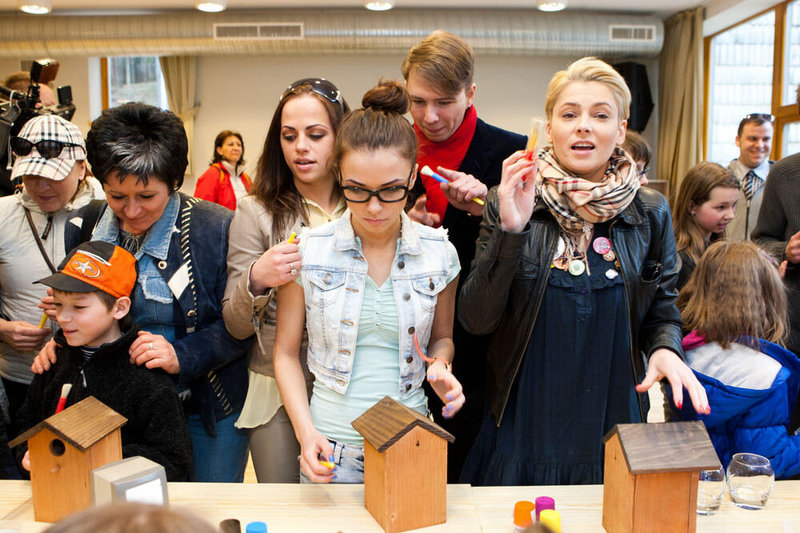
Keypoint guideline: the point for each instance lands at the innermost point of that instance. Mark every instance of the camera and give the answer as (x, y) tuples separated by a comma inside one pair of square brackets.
[(17, 107)]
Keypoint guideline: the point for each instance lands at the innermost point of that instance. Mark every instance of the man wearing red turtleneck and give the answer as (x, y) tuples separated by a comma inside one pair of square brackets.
[(454, 142)]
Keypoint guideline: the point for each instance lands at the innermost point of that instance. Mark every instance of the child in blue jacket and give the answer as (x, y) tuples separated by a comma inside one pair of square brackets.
[(735, 307)]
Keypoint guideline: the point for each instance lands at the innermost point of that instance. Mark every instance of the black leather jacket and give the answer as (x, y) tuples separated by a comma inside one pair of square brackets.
[(508, 277)]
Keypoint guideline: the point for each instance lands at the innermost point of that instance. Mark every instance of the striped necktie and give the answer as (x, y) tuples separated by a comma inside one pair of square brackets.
[(750, 184)]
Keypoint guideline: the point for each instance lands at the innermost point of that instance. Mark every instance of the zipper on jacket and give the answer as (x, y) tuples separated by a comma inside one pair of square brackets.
[(543, 286), (642, 414)]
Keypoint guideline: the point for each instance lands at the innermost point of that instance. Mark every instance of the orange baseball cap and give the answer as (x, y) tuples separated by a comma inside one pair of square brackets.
[(95, 266)]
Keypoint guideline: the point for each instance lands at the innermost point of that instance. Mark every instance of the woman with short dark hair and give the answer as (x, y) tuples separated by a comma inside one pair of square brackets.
[(139, 154)]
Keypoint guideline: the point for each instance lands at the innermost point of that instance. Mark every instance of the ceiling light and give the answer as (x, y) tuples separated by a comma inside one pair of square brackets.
[(36, 7), (551, 5), (379, 5), (211, 6)]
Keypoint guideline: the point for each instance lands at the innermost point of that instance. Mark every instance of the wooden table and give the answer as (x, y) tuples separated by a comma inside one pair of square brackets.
[(339, 508)]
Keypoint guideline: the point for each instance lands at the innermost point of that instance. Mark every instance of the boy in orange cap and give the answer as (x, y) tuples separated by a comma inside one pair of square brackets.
[(92, 297)]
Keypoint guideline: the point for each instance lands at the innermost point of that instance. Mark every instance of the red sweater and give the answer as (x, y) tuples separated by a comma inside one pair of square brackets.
[(215, 186)]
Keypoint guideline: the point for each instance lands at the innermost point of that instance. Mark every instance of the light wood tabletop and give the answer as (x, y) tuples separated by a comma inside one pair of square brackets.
[(340, 508)]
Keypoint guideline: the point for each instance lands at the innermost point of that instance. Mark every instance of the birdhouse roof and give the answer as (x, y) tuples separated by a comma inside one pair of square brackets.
[(81, 425), (665, 447), (387, 421)]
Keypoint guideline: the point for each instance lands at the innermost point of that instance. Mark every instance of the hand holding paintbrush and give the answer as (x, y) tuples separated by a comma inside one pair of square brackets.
[(463, 191), (536, 138)]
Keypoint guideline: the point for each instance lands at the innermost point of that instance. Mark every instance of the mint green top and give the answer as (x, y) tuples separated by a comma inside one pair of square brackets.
[(375, 369)]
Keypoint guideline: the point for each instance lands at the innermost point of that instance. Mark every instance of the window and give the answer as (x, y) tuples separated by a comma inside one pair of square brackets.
[(740, 81), (136, 79), (747, 74)]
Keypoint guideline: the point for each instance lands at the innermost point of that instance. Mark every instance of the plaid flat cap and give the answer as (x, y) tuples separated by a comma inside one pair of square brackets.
[(49, 128)]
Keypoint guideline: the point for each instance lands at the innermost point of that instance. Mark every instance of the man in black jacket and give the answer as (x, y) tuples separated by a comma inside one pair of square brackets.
[(469, 153)]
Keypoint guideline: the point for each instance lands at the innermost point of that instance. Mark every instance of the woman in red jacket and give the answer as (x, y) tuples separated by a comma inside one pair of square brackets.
[(225, 181)]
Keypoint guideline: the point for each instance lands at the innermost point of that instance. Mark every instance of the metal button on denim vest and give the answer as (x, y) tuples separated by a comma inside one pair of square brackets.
[(334, 275)]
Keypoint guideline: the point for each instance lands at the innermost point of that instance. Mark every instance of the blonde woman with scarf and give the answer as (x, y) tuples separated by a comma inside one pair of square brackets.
[(574, 275)]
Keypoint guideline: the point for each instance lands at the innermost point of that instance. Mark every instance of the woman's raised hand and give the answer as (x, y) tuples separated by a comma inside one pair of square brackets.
[(516, 192), (277, 266)]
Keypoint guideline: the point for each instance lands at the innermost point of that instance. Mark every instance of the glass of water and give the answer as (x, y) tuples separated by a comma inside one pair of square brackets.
[(750, 480), (710, 489)]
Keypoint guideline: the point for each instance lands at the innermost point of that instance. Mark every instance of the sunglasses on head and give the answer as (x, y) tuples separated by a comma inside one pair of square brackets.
[(760, 116), (46, 148), (321, 86)]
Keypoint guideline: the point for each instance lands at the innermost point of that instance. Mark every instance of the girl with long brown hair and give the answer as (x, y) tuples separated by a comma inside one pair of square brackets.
[(376, 293), (735, 307), (705, 205), (294, 187)]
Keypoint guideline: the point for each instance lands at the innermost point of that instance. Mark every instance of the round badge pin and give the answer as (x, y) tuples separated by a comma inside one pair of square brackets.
[(609, 255), (611, 273), (576, 267), (601, 245)]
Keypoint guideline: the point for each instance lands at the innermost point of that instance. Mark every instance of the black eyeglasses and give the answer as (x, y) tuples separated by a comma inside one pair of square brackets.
[(46, 148), (759, 116), (388, 195), (643, 171), (321, 86)]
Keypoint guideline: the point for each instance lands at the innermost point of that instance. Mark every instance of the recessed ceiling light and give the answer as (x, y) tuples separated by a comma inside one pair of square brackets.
[(550, 5), (379, 5), (36, 7), (211, 6)]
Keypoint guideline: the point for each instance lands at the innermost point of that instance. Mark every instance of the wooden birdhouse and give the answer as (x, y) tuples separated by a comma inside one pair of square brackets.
[(405, 466), (64, 449), (651, 475)]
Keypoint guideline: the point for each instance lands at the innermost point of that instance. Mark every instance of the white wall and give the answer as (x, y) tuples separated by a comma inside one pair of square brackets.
[(241, 92)]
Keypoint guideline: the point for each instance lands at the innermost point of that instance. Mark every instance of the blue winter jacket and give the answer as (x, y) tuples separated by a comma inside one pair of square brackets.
[(752, 420)]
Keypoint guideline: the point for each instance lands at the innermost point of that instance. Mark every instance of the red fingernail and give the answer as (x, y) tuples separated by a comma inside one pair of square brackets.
[(679, 404)]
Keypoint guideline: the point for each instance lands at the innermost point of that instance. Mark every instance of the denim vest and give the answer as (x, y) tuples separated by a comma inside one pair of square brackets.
[(334, 275)]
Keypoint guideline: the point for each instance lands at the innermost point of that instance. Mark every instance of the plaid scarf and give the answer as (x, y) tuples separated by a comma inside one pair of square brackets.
[(578, 204)]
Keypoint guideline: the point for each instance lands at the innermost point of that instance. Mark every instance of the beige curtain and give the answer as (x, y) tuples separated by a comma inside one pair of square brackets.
[(180, 77), (680, 98)]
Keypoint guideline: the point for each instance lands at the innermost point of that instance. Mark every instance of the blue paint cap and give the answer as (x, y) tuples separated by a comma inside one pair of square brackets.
[(256, 527)]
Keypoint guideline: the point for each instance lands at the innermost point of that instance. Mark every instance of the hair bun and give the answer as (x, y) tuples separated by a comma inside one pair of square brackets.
[(388, 96)]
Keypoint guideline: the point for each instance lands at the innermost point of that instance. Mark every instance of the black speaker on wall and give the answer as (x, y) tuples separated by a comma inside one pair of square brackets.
[(635, 75)]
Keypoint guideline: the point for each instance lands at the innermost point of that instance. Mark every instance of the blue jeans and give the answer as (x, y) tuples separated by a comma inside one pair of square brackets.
[(349, 461), (220, 459)]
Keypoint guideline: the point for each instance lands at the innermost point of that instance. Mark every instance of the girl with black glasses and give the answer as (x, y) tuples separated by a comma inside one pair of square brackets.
[(293, 187), (376, 292)]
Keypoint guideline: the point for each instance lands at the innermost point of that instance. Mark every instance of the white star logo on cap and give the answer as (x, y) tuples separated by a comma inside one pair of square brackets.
[(86, 267)]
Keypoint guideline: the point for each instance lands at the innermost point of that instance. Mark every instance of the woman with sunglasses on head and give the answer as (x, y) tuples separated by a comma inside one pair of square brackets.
[(294, 187), (574, 276), (225, 181), (50, 158), (376, 292)]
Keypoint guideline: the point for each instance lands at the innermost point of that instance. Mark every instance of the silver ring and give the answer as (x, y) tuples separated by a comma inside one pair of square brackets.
[(293, 271), (150, 346)]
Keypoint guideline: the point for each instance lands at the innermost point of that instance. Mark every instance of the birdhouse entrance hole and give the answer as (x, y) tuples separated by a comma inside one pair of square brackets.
[(57, 447)]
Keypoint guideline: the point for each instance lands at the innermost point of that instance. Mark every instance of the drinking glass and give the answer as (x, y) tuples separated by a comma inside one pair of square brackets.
[(710, 489), (750, 480)]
